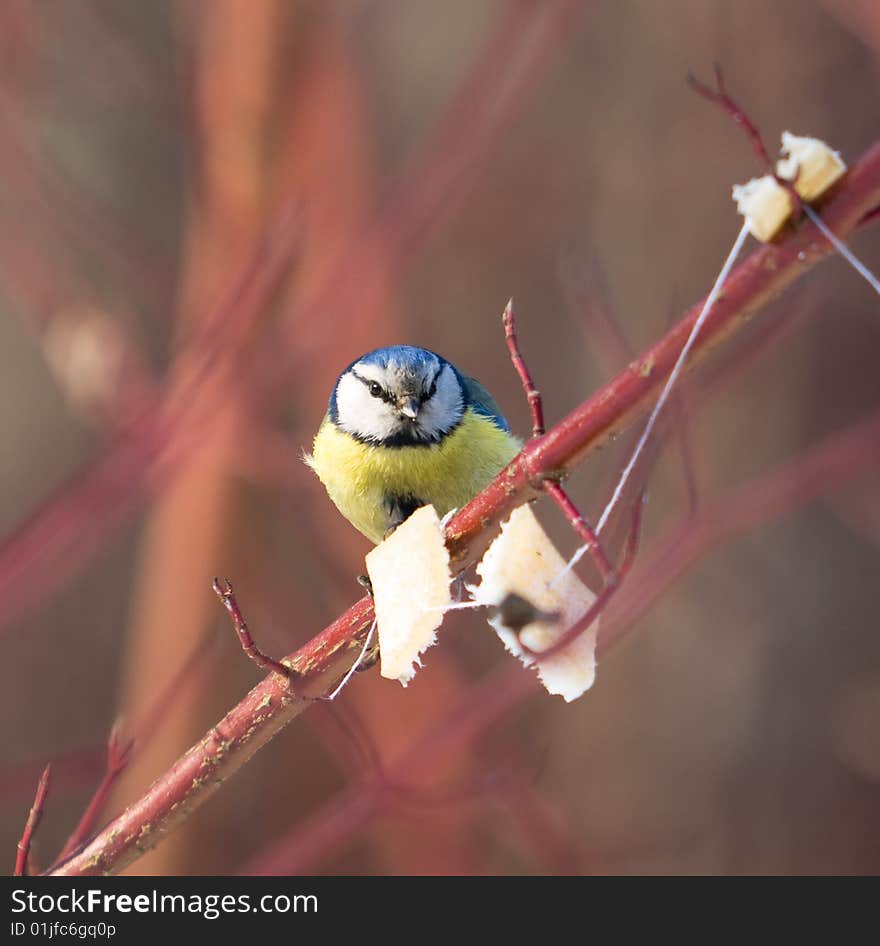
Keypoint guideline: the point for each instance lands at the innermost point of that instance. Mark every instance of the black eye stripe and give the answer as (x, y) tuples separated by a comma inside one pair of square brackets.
[(375, 389), (432, 387)]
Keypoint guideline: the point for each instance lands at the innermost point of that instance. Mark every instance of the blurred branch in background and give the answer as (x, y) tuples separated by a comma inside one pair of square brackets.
[(22, 857), (32, 559)]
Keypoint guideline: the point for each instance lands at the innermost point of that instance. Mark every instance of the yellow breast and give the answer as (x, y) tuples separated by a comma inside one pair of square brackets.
[(360, 477)]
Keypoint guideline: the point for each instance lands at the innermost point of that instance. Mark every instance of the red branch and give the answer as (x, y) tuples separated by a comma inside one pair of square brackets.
[(552, 487), (753, 283), (533, 395), (33, 822), (739, 115), (718, 96), (826, 467), (226, 594), (328, 656), (584, 530)]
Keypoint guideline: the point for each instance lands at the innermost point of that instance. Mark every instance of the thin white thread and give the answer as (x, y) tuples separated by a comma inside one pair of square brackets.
[(457, 606), (354, 666), (664, 395), (844, 250)]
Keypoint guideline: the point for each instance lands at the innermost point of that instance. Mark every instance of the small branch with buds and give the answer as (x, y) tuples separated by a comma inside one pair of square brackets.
[(611, 577), (226, 594), (719, 96), (553, 488), (533, 395), (33, 822)]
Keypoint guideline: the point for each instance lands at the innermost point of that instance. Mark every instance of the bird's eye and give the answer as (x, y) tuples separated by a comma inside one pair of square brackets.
[(375, 389)]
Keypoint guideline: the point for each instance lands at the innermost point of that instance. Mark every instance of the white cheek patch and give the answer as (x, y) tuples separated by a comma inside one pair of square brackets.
[(443, 411), (372, 418), (372, 373), (361, 414)]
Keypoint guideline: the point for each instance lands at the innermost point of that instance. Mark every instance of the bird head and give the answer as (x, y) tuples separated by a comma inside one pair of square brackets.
[(398, 396)]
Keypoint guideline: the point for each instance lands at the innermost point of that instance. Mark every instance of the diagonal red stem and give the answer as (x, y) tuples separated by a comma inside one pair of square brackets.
[(533, 395), (33, 822), (226, 594)]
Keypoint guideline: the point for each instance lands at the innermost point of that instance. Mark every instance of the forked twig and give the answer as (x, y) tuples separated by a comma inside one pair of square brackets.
[(226, 594), (611, 577), (33, 822), (533, 395), (799, 206), (719, 96)]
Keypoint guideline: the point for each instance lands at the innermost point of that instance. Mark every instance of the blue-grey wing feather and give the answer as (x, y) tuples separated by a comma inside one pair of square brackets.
[(483, 403)]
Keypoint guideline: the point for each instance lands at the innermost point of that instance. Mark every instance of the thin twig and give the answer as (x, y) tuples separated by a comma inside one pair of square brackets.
[(72, 771), (603, 599), (536, 405), (226, 594), (552, 487), (33, 822), (718, 96), (740, 116), (592, 544), (118, 756)]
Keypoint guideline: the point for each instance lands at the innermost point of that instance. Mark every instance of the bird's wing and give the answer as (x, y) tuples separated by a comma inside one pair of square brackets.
[(483, 402)]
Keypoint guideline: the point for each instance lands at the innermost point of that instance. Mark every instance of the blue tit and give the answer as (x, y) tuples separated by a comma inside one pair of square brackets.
[(405, 428)]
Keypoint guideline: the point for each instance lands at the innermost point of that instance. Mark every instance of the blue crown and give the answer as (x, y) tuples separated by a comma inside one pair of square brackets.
[(408, 356)]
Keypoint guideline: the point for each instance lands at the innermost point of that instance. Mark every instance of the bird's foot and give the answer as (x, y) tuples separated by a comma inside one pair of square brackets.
[(369, 659)]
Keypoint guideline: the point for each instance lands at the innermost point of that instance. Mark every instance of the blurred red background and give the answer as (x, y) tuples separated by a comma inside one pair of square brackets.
[(215, 208)]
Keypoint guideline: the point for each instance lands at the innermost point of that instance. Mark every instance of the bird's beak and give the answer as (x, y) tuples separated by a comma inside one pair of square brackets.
[(409, 407)]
